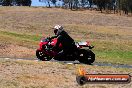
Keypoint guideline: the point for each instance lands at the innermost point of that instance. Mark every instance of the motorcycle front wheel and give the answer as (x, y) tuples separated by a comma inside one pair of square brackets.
[(41, 56)]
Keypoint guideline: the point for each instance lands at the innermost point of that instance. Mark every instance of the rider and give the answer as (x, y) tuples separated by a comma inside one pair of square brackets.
[(62, 37)]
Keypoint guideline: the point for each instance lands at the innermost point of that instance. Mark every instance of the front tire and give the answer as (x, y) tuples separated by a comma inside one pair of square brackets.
[(41, 56), (86, 56)]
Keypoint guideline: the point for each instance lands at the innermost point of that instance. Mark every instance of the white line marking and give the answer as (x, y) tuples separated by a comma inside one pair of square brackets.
[(6, 58), (19, 59)]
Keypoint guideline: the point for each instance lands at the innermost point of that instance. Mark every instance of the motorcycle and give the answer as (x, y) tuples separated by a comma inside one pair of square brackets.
[(45, 52)]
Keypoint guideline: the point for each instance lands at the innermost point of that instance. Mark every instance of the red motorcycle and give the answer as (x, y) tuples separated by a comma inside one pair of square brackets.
[(45, 52)]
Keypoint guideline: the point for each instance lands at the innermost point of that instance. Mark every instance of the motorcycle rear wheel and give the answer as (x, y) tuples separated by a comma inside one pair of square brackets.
[(86, 56), (41, 56)]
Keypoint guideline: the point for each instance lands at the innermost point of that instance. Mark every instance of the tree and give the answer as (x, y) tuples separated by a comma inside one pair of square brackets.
[(54, 2), (90, 3), (48, 1), (26, 2), (71, 4), (18, 2), (6, 3), (130, 6), (65, 3), (83, 3), (75, 4), (125, 6), (1, 2)]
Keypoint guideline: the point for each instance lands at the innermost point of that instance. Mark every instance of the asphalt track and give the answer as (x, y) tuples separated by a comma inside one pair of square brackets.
[(77, 62), (97, 64)]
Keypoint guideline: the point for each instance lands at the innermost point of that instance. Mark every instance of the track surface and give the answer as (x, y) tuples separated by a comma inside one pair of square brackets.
[(77, 62)]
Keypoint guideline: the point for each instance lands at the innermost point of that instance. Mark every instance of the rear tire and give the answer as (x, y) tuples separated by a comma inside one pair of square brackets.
[(86, 56), (41, 56)]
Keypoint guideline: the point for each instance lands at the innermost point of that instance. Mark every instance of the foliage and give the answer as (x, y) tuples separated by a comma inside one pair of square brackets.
[(16, 2), (106, 5)]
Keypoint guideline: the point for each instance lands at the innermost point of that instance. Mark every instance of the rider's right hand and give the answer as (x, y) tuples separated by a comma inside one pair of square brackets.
[(49, 38)]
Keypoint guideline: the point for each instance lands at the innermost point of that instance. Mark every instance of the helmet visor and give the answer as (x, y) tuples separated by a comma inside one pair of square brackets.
[(55, 31)]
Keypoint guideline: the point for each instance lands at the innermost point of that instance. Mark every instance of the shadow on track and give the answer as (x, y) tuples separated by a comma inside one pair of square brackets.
[(96, 64)]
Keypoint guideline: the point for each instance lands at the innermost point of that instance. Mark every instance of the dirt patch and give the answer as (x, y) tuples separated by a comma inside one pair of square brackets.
[(38, 20), (32, 74), (15, 51)]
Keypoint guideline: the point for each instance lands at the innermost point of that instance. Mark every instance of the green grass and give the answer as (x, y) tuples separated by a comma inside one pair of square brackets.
[(106, 51), (114, 56), (22, 36), (113, 52), (25, 40)]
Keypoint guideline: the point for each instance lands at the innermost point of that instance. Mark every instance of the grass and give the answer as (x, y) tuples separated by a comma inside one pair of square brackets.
[(21, 36), (113, 52), (106, 51), (110, 34), (20, 39), (32, 74), (116, 57), (23, 26)]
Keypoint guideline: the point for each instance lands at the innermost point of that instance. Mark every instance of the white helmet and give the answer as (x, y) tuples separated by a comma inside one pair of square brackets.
[(57, 28)]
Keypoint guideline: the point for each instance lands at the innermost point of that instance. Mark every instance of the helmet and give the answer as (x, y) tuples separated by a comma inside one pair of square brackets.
[(57, 28)]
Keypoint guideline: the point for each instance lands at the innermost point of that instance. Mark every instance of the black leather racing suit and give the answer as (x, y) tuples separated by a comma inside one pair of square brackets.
[(67, 42)]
